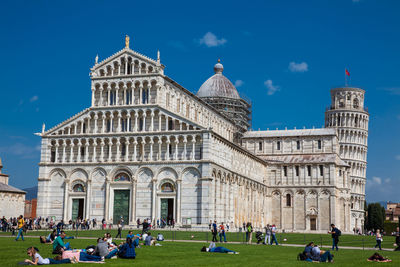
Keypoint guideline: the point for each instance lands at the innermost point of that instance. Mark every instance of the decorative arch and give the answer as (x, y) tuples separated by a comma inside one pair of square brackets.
[(120, 169), (74, 174), (58, 171), (144, 171), (167, 172), (78, 186)]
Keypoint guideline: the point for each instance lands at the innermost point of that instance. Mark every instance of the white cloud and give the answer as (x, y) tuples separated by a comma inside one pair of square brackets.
[(377, 180), (34, 98), (238, 83), (387, 180), (392, 90), (211, 40), (398, 157), (271, 87), (298, 67)]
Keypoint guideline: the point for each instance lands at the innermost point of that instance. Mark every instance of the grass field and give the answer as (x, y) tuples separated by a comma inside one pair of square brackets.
[(292, 238), (188, 254)]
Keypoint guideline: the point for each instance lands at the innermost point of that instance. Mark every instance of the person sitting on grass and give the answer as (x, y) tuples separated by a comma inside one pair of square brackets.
[(58, 244), (89, 255), (213, 248), (160, 237), (397, 243), (378, 258), (36, 259), (127, 250), (102, 249), (320, 255), (130, 235), (149, 241), (307, 251)]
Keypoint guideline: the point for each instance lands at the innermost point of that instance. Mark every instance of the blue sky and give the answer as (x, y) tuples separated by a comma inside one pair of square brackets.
[(283, 55)]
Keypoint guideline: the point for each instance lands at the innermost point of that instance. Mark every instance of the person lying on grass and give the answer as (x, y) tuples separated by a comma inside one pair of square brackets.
[(321, 256), (36, 259), (213, 248), (58, 244), (378, 258)]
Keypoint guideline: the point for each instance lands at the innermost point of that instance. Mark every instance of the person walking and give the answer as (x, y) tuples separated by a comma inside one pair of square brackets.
[(214, 231), (21, 224), (267, 240), (397, 240), (273, 233), (378, 239), (222, 232), (249, 233), (335, 232), (119, 230)]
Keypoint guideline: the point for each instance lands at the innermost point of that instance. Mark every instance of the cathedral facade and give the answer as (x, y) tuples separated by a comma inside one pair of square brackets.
[(149, 148)]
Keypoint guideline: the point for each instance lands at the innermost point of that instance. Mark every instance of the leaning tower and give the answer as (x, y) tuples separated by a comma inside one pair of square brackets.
[(349, 116)]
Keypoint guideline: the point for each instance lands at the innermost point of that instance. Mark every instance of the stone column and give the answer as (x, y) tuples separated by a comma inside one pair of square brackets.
[(94, 151), (144, 121), (95, 123), (153, 202), (109, 95), (116, 95), (167, 154), (151, 149), (119, 123), (193, 147), (64, 154), (159, 148), (71, 156), (124, 101), (66, 190), (140, 95), (127, 150), (136, 121), (176, 148), (78, 158), (56, 153), (159, 121), (111, 123), (128, 122), (109, 150), (101, 97), (133, 203), (88, 195), (107, 206), (103, 123), (178, 202), (118, 156), (152, 121), (184, 157), (102, 144), (87, 151)]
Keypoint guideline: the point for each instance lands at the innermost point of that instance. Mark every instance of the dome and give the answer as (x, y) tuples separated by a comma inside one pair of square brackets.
[(218, 85)]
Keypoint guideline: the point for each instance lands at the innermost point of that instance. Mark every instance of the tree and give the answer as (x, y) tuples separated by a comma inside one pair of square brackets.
[(375, 217)]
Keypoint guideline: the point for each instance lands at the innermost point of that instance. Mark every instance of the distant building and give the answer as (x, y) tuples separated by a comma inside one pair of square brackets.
[(392, 212), (12, 200)]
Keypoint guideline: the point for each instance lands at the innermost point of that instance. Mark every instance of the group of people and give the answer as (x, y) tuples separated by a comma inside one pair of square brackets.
[(313, 253), (104, 249), (218, 230)]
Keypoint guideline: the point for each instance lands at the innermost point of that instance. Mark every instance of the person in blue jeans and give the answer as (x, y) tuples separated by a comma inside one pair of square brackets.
[(83, 256), (335, 232), (21, 224), (36, 259), (127, 250), (273, 231), (213, 248), (222, 232)]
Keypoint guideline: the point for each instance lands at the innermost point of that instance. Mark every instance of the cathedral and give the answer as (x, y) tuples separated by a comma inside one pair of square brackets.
[(149, 148)]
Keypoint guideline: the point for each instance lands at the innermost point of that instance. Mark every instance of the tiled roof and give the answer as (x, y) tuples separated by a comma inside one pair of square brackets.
[(291, 133), (8, 188)]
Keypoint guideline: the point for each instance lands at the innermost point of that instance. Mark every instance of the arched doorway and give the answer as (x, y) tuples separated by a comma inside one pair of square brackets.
[(167, 203)]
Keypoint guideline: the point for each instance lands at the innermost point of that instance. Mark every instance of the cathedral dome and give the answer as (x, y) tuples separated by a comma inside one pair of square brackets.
[(218, 85)]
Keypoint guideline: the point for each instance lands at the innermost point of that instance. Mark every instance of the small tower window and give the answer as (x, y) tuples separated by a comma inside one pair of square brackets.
[(285, 171), (260, 145), (321, 170), (297, 170), (319, 144), (278, 145), (53, 156), (78, 188), (309, 170), (298, 145), (288, 200)]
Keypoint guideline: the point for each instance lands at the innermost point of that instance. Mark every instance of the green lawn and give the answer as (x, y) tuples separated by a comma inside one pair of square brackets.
[(291, 238), (188, 254)]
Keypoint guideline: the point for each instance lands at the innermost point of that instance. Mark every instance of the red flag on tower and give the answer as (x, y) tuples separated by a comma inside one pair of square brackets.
[(347, 72)]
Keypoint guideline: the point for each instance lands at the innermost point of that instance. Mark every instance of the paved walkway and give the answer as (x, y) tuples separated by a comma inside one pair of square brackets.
[(203, 241)]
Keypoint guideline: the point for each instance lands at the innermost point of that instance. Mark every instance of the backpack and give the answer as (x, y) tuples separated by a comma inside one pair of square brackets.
[(301, 256), (338, 232)]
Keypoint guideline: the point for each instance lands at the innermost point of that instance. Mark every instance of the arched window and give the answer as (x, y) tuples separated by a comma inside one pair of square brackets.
[(122, 177), (167, 188), (78, 188), (288, 200), (355, 103)]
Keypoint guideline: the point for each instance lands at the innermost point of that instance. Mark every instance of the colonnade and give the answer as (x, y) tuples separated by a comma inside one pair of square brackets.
[(125, 66), (353, 152), (126, 149), (353, 136), (347, 119)]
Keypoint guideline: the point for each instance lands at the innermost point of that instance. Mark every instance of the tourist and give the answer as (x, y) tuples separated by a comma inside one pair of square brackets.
[(320, 255), (127, 250), (119, 230), (379, 239), (249, 233), (222, 232), (335, 232), (160, 237), (102, 249), (267, 240), (149, 241), (273, 233), (214, 232), (307, 251), (378, 258), (138, 223), (209, 225), (58, 244), (397, 242), (213, 248), (21, 224), (88, 256), (145, 226), (36, 259), (104, 224), (130, 235)]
